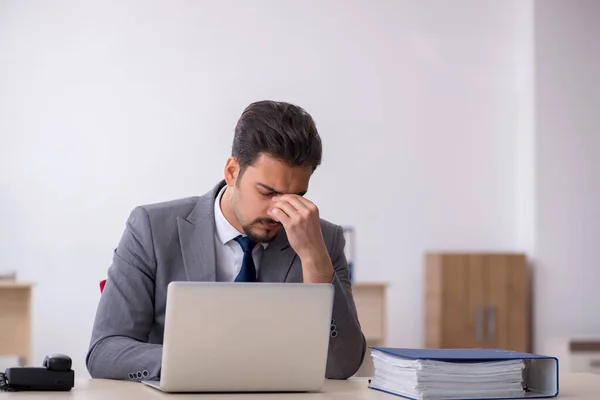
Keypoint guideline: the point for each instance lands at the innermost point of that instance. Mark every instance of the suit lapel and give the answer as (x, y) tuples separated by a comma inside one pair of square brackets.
[(197, 239), (276, 260)]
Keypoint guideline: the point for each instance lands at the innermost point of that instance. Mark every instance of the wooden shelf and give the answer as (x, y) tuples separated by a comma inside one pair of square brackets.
[(9, 284)]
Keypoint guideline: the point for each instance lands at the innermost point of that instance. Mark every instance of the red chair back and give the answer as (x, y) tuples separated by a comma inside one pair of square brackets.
[(102, 283)]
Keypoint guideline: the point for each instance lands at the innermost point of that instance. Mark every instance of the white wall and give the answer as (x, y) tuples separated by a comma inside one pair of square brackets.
[(567, 169), (106, 105)]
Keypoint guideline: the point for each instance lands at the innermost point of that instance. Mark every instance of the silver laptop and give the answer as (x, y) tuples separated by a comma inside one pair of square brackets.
[(245, 337)]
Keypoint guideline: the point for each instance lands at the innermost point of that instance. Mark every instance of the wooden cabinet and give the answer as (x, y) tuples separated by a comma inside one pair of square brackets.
[(15, 320), (370, 299), (477, 300), (370, 307)]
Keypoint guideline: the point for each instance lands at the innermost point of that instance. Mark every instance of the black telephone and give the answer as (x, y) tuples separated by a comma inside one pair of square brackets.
[(55, 375)]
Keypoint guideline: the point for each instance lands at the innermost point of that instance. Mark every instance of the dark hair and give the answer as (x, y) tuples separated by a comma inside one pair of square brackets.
[(281, 130)]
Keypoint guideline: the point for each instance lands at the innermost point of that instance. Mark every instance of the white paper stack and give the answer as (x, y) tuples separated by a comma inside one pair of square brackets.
[(425, 379)]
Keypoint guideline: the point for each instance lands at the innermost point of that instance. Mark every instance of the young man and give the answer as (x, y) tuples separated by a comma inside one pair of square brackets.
[(253, 226)]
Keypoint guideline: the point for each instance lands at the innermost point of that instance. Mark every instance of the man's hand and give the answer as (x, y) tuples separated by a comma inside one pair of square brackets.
[(300, 218)]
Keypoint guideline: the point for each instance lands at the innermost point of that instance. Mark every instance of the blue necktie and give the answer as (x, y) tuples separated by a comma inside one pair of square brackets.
[(248, 270)]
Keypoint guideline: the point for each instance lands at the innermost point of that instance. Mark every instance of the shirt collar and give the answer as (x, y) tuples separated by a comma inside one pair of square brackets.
[(225, 231)]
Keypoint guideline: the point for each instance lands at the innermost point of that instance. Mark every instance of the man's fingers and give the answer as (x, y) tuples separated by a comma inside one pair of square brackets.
[(270, 212), (295, 202), (307, 203), (286, 207), (279, 216), (299, 202)]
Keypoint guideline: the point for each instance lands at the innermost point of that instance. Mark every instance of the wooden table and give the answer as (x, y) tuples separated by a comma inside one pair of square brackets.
[(15, 320), (573, 387)]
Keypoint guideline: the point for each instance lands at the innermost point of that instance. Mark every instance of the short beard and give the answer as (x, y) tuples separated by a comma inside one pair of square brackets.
[(251, 233), (260, 238)]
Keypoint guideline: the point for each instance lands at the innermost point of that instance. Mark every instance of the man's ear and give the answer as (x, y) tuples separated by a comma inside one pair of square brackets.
[(232, 170)]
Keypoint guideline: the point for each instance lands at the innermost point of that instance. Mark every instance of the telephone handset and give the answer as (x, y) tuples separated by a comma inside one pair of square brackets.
[(55, 375)]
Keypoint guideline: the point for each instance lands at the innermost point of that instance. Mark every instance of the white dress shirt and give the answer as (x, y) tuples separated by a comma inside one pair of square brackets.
[(228, 253)]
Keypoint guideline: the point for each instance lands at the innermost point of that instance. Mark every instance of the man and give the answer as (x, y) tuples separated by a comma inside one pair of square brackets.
[(276, 149)]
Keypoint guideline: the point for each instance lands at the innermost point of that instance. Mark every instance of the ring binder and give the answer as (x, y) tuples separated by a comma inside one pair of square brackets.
[(464, 374)]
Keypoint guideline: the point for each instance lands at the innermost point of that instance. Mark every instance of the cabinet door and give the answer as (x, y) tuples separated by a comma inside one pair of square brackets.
[(433, 300), (496, 304), (507, 310), (478, 287), (519, 305), (462, 300)]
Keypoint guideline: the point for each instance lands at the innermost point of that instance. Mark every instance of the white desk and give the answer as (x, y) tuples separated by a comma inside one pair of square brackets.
[(573, 387)]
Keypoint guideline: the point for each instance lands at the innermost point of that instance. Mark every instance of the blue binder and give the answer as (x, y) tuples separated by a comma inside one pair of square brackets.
[(540, 376)]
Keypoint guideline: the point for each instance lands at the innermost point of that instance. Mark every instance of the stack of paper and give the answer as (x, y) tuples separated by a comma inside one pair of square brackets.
[(426, 378)]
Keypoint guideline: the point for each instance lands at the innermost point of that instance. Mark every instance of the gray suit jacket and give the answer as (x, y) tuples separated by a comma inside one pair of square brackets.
[(174, 241)]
